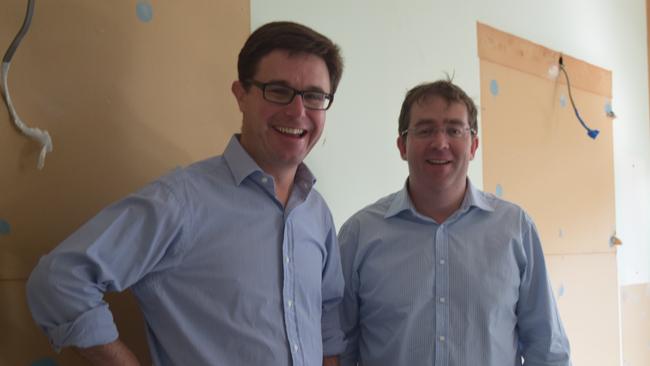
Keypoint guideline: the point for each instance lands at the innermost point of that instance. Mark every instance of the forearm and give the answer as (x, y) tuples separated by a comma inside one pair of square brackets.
[(331, 361), (111, 354)]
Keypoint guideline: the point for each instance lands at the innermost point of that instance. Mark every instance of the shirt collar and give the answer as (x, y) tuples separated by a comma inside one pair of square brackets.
[(473, 198), (401, 202), (242, 165)]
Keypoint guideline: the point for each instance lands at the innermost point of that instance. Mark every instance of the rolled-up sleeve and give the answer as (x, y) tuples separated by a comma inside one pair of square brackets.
[(129, 239)]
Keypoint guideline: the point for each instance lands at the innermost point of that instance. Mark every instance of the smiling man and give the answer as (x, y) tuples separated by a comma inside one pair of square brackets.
[(440, 273), (234, 259)]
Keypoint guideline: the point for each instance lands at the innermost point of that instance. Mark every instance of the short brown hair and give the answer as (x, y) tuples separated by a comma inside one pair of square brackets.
[(445, 89), (294, 38)]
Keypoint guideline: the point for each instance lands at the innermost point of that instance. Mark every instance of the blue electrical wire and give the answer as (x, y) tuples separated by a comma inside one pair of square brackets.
[(591, 133)]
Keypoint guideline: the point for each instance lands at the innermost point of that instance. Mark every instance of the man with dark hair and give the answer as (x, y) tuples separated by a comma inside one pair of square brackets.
[(234, 259), (440, 273)]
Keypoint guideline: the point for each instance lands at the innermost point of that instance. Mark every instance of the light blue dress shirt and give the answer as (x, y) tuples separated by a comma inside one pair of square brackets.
[(223, 273), (471, 291)]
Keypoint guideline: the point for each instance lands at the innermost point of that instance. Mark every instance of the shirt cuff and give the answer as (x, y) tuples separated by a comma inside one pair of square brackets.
[(92, 328)]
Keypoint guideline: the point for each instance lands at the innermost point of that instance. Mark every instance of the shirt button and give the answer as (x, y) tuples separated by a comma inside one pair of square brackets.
[(289, 303), (287, 259), (442, 338), (442, 299), (265, 179), (442, 261), (295, 347)]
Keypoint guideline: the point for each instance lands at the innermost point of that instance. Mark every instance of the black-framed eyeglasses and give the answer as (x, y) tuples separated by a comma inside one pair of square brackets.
[(427, 131), (282, 94)]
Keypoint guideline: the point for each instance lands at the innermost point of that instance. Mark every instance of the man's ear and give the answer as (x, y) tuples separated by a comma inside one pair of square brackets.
[(401, 145), (240, 93)]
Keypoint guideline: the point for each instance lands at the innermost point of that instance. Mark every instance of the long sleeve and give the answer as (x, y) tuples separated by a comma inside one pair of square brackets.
[(543, 341), (111, 252), (349, 306), (332, 292)]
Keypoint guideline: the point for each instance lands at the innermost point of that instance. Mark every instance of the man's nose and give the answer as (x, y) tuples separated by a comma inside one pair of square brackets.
[(296, 107), (439, 139)]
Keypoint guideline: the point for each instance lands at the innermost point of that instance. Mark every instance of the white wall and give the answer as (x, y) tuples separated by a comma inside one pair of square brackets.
[(390, 46)]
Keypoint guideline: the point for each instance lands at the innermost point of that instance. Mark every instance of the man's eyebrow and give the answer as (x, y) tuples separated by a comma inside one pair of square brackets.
[(277, 82), (311, 88), (425, 121), (455, 121), (446, 122)]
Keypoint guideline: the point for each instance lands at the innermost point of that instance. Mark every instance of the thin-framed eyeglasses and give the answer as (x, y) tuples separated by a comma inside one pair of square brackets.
[(427, 131), (283, 95)]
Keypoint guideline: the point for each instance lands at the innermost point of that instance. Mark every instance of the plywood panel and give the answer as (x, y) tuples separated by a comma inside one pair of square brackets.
[(539, 156), (536, 153), (586, 289), (125, 100), (519, 54), (635, 319)]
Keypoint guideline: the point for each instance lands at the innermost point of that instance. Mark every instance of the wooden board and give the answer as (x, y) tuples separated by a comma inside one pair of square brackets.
[(586, 290), (525, 56), (125, 98), (536, 153)]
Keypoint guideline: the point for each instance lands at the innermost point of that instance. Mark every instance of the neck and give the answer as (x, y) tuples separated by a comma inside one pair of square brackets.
[(283, 186), (283, 179), (437, 204), (283, 174)]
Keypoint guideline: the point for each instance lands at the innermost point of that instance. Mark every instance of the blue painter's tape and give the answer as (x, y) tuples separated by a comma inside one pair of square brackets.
[(499, 191), (5, 229), (144, 11), (562, 101), (44, 362), (494, 87)]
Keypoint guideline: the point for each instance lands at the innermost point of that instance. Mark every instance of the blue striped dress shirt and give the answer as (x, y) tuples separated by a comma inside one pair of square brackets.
[(223, 273), (470, 291)]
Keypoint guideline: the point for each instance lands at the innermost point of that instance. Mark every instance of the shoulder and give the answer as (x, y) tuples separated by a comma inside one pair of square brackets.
[(197, 176), (371, 214), (501, 209), (370, 219)]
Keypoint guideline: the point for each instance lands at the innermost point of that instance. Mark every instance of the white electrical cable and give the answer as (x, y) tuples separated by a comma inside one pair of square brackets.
[(43, 137)]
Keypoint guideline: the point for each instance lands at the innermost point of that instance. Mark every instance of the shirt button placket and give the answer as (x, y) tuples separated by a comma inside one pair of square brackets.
[(441, 289), (289, 290)]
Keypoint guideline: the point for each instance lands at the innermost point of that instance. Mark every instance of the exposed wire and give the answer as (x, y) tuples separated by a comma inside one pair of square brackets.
[(591, 133), (41, 136)]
